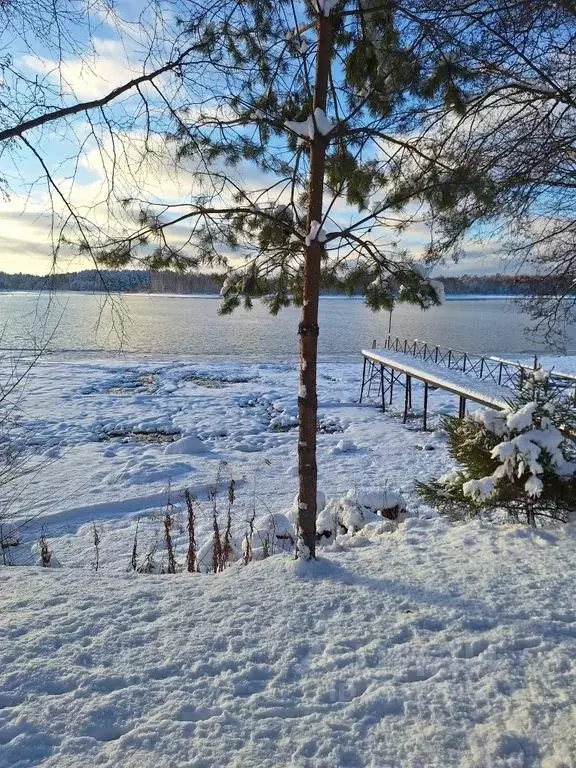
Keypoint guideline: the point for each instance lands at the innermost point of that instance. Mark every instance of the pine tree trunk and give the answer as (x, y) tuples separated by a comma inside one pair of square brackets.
[(308, 329)]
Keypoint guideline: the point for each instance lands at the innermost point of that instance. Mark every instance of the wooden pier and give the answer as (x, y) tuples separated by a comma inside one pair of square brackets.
[(488, 381)]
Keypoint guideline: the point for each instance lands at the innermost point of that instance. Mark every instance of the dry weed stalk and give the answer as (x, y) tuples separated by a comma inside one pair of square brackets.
[(45, 552), (191, 561), (168, 522), (96, 540), (148, 564), (217, 557), (227, 548), (134, 559)]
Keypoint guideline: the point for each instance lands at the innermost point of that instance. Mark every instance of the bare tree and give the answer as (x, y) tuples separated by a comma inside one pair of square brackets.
[(513, 83)]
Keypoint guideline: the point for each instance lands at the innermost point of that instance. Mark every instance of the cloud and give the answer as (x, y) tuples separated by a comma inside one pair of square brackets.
[(147, 164), (481, 262), (90, 77), (26, 245)]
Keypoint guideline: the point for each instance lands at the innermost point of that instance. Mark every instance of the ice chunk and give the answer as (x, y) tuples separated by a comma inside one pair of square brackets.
[(270, 534), (376, 499), (345, 446), (187, 445)]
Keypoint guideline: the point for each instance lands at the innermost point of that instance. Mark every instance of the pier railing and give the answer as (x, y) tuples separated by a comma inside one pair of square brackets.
[(486, 368)]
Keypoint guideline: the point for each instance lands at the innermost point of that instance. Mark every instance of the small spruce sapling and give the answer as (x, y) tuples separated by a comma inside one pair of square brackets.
[(521, 460)]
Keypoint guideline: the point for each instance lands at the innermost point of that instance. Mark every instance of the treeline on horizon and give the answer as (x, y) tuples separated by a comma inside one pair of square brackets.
[(144, 281)]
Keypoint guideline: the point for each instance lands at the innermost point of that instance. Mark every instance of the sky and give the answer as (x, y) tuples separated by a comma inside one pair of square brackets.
[(27, 225)]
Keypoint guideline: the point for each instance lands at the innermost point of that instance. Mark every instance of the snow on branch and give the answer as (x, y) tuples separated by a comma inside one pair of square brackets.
[(325, 6), (304, 128), (307, 128), (296, 38), (316, 233), (322, 123)]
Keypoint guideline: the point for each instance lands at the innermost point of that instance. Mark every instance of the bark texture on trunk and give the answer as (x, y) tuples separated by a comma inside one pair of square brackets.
[(308, 328)]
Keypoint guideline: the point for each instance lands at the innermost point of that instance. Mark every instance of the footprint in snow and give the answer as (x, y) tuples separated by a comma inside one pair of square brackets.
[(417, 675), (478, 624), (430, 625), (472, 649), (342, 692), (521, 644), (191, 714)]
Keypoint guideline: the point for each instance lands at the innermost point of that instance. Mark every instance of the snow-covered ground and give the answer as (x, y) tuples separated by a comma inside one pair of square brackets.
[(92, 428), (414, 644)]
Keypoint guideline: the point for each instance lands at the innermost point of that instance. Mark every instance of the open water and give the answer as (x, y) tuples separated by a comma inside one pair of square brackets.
[(184, 326)]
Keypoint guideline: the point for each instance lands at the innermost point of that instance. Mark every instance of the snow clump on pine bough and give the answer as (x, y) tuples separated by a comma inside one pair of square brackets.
[(316, 233), (325, 6), (306, 129), (521, 453)]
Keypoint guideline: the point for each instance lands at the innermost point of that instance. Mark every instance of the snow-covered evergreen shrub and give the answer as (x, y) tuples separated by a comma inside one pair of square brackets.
[(521, 460)]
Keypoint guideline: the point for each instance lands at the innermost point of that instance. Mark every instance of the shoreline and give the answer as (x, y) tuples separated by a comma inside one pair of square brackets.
[(168, 295)]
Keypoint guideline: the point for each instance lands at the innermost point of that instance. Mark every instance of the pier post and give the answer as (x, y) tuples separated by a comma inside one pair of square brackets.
[(406, 399), (363, 377)]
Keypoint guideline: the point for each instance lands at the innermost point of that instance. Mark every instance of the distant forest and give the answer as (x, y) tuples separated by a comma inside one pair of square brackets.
[(125, 281), (142, 281)]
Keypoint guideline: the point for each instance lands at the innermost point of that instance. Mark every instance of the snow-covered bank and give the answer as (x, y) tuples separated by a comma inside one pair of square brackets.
[(436, 645), (430, 645), (114, 442)]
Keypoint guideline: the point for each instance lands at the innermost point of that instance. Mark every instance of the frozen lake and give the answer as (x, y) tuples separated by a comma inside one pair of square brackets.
[(185, 325)]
